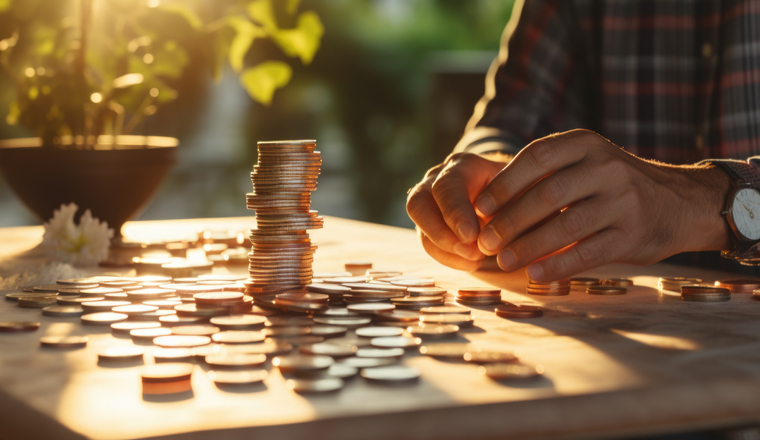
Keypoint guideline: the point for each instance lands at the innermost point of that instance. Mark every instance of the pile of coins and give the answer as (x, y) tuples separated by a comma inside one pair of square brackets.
[(552, 288), (282, 253), (705, 294)]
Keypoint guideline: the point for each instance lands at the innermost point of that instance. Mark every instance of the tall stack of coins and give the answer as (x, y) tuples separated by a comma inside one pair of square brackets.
[(552, 288), (282, 253)]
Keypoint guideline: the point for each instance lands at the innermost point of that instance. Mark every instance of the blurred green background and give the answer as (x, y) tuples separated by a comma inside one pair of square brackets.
[(386, 97)]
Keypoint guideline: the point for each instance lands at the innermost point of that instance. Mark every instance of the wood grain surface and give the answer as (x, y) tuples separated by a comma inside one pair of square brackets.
[(642, 363)]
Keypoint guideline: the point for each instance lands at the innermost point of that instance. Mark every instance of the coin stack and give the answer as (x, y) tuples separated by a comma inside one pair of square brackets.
[(705, 294), (478, 296), (674, 284), (739, 286), (282, 253), (552, 288)]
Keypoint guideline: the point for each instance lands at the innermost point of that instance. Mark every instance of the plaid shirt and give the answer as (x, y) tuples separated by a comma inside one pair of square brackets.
[(672, 80)]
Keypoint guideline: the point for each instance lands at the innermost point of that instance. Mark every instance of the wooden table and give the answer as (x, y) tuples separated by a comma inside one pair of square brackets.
[(637, 364)]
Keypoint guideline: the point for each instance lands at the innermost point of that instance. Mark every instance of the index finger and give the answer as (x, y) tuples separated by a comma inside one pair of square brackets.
[(539, 159)]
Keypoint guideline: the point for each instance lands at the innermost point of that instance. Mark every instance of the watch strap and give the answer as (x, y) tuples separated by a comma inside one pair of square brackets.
[(737, 169)]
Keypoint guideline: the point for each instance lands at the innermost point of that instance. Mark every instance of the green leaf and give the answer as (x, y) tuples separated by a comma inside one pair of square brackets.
[(303, 41), (261, 12), (263, 79), (245, 33), (184, 12)]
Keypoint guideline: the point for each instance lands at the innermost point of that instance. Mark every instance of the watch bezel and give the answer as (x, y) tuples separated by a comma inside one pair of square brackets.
[(729, 211)]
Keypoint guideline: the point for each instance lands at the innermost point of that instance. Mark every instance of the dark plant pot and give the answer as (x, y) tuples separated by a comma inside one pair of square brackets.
[(114, 184)]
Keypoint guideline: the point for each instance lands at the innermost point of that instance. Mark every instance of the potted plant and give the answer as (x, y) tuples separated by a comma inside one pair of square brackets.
[(87, 74)]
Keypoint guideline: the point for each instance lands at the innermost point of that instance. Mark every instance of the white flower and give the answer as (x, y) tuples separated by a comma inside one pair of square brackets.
[(85, 244)]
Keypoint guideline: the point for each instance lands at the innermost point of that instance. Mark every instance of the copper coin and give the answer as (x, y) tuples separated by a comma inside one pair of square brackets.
[(238, 337), (37, 302), (739, 285), (606, 290), (103, 318), (395, 342), (378, 332), (193, 310), (391, 374), (64, 341), (511, 371), (169, 372), (550, 292), (585, 282), (63, 311), (618, 282), (177, 341), (475, 291), (374, 352), (235, 360), (512, 311), (18, 326), (46, 288), (117, 354), (214, 298), (99, 291), (68, 301)]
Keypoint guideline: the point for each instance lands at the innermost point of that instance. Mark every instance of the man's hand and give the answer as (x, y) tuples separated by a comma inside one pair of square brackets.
[(612, 207), (442, 206)]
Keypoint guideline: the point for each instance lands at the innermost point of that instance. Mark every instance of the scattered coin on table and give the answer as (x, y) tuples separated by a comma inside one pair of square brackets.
[(511, 371), (245, 377), (18, 326), (393, 374), (64, 341), (117, 354)]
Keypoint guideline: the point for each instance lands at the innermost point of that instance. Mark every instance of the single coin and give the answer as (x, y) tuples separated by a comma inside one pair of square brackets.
[(47, 288), (618, 282), (322, 385), (195, 330), (148, 334), (391, 374), (239, 322), (63, 311), (421, 301), (172, 355), (478, 291), (705, 290), (117, 354), (426, 291), (454, 319), (237, 337), (37, 302), (135, 309), (124, 328), (395, 342), (379, 332), (548, 292), (488, 357), (18, 326), (329, 331), (606, 290), (76, 301), (245, 377), (368, 362), (739, 285), (102, 306), (419, 282), (169, 372), (302, 363), (203, 312), (479, 301), (511, 371), (235, 360), (372, 352), (343, 322), (371, 308), (103, 318), (405, 316), (433, 331), (585, 282), (328, 289), (512, 311), (176, 341), (64, 341), (217, 298), (342, 371), (14, 296), (450, 351)]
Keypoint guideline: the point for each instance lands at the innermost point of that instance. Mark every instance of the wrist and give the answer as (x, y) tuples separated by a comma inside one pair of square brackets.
[(706, 192)]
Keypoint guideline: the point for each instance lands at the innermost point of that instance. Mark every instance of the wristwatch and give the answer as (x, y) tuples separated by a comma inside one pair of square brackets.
[(742, 211)]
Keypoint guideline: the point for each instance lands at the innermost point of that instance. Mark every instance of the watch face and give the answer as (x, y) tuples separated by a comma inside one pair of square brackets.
[(745, 213)]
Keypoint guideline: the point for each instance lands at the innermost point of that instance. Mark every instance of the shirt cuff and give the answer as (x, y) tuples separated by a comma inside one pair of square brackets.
[(481, 140)]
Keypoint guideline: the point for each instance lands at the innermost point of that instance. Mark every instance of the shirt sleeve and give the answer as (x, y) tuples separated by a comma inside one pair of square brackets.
[(535, 87)]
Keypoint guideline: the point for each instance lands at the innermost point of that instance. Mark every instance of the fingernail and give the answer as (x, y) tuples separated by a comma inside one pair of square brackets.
[(466, 232), (465, 251), (485, 204), (535, 272), (490, 239), (507, 259)]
